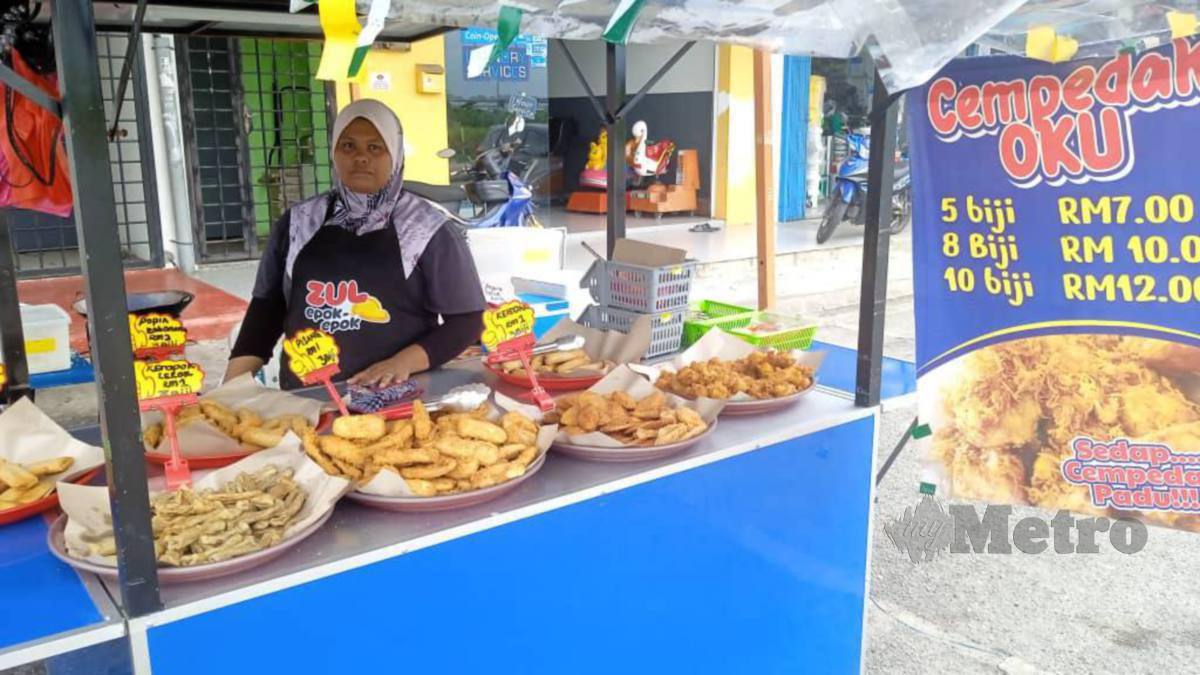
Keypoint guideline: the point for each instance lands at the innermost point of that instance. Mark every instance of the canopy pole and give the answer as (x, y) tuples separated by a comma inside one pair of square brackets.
[(615, 98), (764, 179), (100, 260), (12, 333), (872, 304)]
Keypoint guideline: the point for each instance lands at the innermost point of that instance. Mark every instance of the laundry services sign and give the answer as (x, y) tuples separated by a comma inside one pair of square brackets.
[(1057, 281), (514, 64)]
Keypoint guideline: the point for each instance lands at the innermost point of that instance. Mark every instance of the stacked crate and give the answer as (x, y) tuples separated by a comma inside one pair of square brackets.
[(626, 292)]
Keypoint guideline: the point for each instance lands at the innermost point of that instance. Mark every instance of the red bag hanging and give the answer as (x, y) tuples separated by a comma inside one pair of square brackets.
[(33, 155)]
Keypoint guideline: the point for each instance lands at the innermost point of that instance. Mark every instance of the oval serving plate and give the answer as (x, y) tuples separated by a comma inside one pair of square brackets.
[(592, 453), (446, 502), (54, 538)]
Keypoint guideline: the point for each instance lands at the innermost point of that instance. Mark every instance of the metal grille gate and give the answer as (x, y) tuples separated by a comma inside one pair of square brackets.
[(46, 245), (257, 134)]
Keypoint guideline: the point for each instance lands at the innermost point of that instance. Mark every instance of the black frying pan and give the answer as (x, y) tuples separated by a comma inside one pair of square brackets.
[(165, 302)]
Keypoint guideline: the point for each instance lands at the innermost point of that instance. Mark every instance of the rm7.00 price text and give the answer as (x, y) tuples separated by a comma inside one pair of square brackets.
[(1116, 210)]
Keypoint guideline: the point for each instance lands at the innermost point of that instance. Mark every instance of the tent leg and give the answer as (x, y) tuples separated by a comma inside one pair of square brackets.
[(100, 259), (614, 99), (873, 300), (764, 179), (12, 334)]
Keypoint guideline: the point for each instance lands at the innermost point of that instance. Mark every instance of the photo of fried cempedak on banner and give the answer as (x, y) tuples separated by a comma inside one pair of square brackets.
[(1058, 342)]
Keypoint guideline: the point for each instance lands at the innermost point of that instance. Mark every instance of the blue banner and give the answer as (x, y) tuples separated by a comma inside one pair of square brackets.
[(1056, 199), (1057, 282)]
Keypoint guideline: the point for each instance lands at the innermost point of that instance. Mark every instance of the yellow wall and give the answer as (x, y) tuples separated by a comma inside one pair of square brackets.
[(423, 115), (734, 194)]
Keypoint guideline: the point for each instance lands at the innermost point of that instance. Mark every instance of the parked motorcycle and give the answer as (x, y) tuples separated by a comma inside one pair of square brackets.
[(502, 198), (848, 201)]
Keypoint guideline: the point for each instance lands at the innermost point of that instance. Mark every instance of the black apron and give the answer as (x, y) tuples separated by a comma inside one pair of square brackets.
[(353, 287)]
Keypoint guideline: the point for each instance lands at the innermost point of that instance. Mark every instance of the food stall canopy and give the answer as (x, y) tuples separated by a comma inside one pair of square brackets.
[(910, 39), (253, 18)]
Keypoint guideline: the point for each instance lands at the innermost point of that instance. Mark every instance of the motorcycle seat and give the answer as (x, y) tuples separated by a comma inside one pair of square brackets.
[(436, 193)]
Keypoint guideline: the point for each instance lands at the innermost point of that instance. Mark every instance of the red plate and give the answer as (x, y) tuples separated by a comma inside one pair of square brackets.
[(549, 382), (45, 503), (218, 461)]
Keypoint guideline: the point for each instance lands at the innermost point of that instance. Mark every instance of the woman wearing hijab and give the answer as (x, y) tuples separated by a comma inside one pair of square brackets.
[(368, 262)]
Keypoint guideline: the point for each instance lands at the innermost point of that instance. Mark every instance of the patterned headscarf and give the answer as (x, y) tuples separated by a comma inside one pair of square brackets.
[(415, 220)]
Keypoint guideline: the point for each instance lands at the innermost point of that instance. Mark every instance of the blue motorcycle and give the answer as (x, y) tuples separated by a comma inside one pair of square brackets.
[(499, 197), (848, 201)]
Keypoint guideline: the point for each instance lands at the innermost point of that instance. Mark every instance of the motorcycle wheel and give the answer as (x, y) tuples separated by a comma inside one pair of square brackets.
[(901, 212), (833, 217)]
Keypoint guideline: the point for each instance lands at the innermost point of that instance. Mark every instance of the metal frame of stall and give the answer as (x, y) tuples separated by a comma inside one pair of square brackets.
[(86, 135)]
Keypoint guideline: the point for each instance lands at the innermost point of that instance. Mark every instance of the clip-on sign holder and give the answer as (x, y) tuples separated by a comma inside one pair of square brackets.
[(521, 348), (324, 376)]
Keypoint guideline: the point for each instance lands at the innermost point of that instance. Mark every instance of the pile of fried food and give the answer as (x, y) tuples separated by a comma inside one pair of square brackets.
[(647, 422), (22, 484), (1012, 410), (454, 452), (571, 362), (760, 375), (243, 424), (247, 514)]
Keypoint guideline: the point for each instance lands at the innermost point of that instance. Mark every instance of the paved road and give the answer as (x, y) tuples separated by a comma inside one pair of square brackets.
[(1018, 613)]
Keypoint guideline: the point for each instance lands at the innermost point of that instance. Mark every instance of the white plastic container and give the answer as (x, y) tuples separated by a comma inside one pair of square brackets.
[(47, 338)]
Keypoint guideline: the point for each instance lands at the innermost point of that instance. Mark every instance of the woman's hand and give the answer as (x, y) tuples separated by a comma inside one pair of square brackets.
[(397, 368), (240, 365)]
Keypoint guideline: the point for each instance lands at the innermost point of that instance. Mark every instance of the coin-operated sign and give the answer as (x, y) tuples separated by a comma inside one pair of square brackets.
[(506, 322), (167, 379), (309, 352)]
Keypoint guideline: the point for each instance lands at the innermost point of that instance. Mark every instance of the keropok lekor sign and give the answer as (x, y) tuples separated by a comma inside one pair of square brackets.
[(1093, 141)]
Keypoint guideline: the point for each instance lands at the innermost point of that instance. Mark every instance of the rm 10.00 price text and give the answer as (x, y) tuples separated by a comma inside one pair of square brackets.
[(1154, 250), (1130, 288)]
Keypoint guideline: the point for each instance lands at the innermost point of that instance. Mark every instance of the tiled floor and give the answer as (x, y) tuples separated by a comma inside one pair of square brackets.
[(211, 315)]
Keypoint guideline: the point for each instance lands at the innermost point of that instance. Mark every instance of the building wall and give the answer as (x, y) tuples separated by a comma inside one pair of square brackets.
[(423, 115), (734, 197)]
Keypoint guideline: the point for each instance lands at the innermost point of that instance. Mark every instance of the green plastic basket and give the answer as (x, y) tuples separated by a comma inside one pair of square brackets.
[(701, 315), (788, 333)]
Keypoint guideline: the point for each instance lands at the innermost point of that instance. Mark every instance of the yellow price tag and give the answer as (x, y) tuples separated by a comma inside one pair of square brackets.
[(156, 331), (510, 320), (162, 379), (664, 317), (3, 376), (310, 350)]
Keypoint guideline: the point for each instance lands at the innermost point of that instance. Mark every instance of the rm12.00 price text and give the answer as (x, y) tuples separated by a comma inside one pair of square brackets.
[(1130, 288)]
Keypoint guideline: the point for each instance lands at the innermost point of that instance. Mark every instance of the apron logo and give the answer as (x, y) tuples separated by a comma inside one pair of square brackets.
[(340, 306)]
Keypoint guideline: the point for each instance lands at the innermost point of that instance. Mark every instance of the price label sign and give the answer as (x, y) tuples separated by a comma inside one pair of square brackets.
[(156, 332), (167, 379), (311, 351), (506, 322), (3, 376)]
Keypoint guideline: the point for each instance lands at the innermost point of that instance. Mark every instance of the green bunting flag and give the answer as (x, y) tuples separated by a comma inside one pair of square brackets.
[(508, 25), (620, 24)]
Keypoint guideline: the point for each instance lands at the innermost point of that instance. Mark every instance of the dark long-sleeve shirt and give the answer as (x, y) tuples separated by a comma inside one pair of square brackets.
[(353, 287)]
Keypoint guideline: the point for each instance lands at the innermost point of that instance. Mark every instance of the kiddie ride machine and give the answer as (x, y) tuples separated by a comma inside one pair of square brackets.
[(645, 164)]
